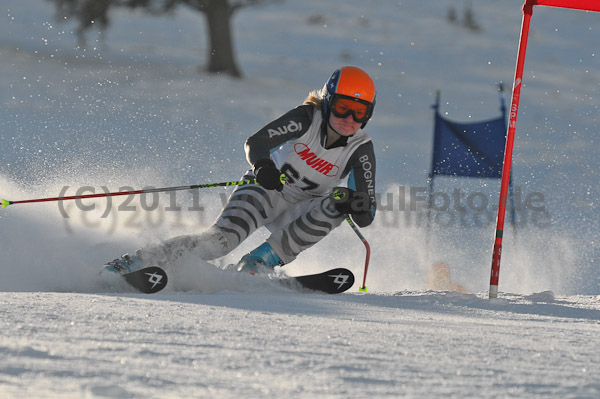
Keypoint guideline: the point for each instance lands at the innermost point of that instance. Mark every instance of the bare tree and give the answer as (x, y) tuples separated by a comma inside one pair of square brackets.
[(469, 19), (218, 13)]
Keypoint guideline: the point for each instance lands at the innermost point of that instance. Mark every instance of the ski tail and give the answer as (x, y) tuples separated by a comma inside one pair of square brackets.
[(334, 281), (148, 280)]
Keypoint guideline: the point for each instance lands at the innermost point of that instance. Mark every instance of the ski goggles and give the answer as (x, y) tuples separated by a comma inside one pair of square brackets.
[(342, 106)]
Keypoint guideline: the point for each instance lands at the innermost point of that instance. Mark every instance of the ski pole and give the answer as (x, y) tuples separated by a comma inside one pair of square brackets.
[(340, 195), (363, 288), (6, 203)]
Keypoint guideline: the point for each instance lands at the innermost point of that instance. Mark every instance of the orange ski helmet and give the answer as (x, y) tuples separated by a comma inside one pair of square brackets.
[(350, 83)]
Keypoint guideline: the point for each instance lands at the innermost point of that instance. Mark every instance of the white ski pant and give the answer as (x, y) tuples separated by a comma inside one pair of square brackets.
[(295, 225)]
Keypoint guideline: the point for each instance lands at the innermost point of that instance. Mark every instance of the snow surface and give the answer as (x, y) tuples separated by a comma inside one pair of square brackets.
[(131, 109)]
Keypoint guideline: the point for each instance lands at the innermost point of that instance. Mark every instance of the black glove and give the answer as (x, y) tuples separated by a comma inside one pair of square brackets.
[(267, 175), (350, 202)]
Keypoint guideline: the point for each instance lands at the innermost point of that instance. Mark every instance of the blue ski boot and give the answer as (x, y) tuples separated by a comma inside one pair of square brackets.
[(261, 260), (124, 264)]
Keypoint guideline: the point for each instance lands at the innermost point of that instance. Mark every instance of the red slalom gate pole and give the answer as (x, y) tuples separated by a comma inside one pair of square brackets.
[(510, 138)]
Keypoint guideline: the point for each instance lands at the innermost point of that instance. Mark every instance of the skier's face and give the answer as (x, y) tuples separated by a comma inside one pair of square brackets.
[(345, 126)]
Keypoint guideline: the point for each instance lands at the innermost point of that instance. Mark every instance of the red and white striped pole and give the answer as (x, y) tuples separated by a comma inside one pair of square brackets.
[(510, 138)]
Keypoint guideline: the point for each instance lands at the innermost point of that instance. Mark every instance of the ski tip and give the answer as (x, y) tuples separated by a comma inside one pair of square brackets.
[(362, 289), (5, 203)]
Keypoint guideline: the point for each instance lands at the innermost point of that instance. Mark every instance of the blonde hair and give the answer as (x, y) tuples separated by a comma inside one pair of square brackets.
[(315, 98)]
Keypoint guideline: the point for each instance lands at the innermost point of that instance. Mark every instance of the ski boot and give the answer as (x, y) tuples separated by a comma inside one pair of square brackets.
[(261, 260), (124, 264)]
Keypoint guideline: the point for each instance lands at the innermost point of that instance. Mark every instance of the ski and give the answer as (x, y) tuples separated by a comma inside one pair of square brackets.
[(148, 280), (153, 279), (334, 281)]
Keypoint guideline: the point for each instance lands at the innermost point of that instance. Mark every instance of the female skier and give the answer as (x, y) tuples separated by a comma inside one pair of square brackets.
[(298, 161)]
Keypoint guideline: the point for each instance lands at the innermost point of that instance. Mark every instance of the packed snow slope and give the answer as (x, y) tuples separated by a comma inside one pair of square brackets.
[(132, 109), (268, 345)]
